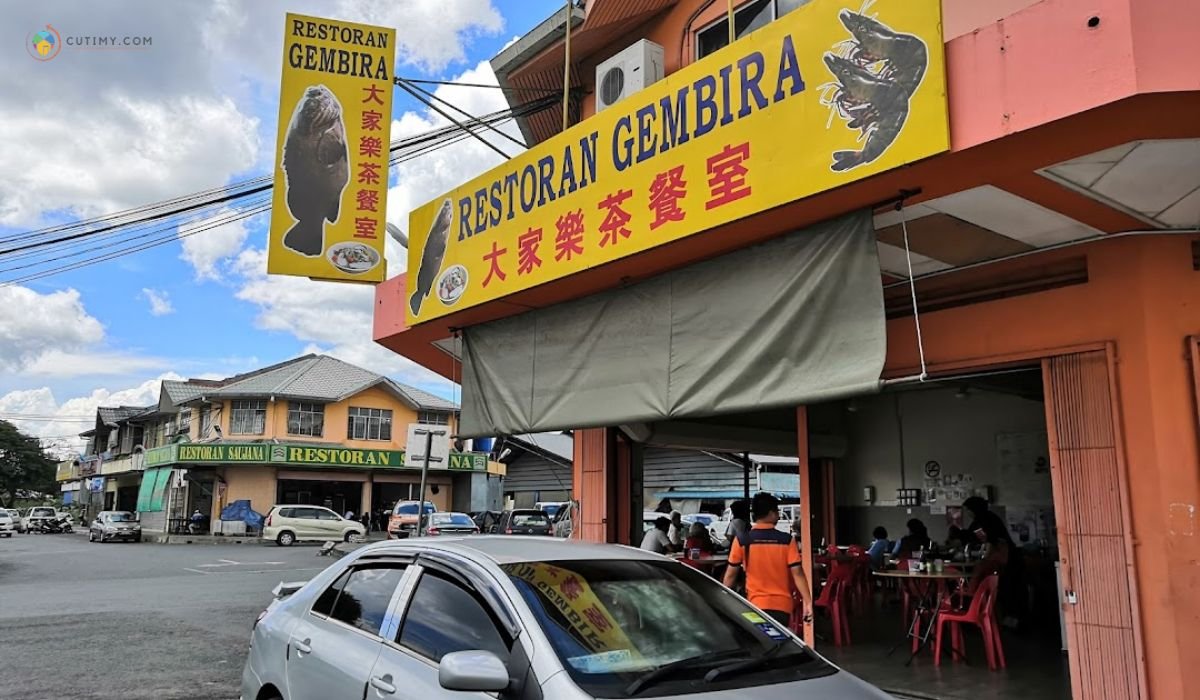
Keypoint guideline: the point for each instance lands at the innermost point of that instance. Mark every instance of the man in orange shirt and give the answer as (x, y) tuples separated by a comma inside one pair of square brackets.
[(771, 560)]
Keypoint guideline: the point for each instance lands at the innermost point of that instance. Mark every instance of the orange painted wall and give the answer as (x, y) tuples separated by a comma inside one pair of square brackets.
[(1142, 295), (336, 423)]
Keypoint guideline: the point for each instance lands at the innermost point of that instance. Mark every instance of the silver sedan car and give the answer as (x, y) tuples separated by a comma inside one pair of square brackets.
[(524, 619)]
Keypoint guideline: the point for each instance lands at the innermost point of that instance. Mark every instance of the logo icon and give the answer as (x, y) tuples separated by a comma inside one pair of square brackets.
[(45, 44), (876, 72)]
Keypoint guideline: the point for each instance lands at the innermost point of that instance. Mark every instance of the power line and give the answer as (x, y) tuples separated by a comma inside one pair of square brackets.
[(404, 150)]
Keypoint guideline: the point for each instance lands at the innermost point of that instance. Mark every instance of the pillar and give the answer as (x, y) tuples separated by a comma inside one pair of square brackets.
[(603, 468), (806, 543)]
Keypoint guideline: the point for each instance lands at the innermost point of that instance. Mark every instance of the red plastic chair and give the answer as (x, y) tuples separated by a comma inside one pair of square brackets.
[(833, 599), (982, 614)]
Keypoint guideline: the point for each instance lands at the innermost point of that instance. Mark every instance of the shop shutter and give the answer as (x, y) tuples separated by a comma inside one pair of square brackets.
[(1092, 510)]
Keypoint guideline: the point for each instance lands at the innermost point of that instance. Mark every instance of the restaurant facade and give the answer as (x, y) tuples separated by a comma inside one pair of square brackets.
[(842, 204)]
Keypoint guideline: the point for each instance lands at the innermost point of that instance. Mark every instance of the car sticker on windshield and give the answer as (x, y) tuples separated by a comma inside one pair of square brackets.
[(603, 662), (753, 617), (591, 622), (770, 630)]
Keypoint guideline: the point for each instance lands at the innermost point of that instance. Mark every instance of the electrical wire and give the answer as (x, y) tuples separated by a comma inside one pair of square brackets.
[(218, 196), (241, 200)]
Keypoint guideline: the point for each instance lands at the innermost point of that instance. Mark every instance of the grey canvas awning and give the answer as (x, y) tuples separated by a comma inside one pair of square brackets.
[(796, 320)]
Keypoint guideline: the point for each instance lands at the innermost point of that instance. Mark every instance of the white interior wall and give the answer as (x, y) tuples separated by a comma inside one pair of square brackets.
[(958, 433)]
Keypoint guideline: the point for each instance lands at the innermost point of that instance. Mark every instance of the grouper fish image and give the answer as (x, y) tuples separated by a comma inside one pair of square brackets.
[(316, 164), (431, 257)]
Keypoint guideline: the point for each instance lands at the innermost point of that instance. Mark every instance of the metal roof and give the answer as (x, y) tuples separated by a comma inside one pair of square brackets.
[(178, 392), (553, 444), (320, 378), (115, 414)]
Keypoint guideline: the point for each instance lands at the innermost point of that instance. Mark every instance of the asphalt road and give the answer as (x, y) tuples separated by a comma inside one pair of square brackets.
[(123, 620)]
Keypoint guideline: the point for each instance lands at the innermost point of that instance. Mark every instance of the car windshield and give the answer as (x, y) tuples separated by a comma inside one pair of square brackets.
[(702, 518), (551, 509), (612, 623), (411, 509), (530, 518), (42, 513), (122, 517), (452, 519)]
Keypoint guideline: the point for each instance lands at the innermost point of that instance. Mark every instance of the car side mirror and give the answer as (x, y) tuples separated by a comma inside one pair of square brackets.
[(473, 671)]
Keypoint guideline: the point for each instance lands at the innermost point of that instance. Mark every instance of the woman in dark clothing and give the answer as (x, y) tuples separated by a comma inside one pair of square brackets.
[(916, 540), (1003, 556)]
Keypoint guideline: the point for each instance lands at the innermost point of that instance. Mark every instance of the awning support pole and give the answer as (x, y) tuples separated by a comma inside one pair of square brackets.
[(912, 288), (746, 475)]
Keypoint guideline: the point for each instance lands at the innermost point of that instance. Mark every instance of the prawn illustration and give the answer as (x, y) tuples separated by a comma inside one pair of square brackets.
[(876, 73)]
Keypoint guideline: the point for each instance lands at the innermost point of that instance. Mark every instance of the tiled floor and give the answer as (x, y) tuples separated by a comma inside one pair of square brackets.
[(1037, 669)]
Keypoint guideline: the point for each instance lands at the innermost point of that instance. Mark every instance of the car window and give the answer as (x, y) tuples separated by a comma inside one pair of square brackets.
[(448, 519), (613, 622), (530, 519), (363, 599), (42, 512), (305, 513), (443, 617), (328, 597), (326, 514)]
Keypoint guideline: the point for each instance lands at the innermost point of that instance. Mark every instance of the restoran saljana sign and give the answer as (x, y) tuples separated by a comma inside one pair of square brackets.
[(821, 97), (300, 455)]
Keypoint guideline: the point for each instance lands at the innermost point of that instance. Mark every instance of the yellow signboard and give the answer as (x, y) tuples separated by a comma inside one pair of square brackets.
[(331, 159), (817, 99)]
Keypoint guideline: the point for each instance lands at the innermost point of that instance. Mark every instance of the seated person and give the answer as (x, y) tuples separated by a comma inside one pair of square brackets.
[(656, 540), (698, 542), (916, 540), (878, 547)]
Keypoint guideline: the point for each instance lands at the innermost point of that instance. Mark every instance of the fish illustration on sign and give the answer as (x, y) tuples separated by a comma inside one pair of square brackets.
[(876, 71), (432, 255), (316, 165)]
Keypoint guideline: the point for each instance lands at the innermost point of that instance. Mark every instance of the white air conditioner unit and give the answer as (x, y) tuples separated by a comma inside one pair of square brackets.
[(627, 72)]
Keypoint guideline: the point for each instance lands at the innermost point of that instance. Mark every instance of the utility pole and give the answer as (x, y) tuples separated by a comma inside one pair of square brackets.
[(425, 459)]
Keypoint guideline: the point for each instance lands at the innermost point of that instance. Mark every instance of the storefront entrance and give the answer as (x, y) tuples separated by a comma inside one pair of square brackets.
[(340, 496)]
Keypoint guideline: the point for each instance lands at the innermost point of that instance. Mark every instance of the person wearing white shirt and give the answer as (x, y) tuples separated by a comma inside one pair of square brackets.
[(678, 531), (656, 540)]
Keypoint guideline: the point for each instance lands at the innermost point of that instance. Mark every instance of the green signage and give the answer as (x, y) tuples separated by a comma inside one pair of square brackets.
[(298, 455)]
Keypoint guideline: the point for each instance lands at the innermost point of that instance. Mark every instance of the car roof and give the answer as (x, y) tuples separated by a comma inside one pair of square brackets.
[(507, 549)]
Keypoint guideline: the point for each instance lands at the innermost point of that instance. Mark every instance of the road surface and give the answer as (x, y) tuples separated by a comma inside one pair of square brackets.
[(123, 620)]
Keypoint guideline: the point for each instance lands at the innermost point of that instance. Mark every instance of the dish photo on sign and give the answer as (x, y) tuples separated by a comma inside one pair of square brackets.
[(316, 166), (354, 258), (452, 284), (877, 71)]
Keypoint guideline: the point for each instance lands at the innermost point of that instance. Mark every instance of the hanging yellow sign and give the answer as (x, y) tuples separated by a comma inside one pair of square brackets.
[(819, 98), (331, 159)]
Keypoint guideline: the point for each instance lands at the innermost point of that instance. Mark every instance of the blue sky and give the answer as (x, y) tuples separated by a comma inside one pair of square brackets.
[(94, 132)]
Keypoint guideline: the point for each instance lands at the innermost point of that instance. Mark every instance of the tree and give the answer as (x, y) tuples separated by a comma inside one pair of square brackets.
[(24, 465)]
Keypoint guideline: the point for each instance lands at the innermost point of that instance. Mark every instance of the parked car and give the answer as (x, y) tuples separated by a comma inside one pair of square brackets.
[(442, 524), (524, 522), (115, 525), (7, 528), (487, 520), (288, 524), (17, 518), (35, 516), (564, 520), (716, 529), (403, 521), (475, 617), (550, 508)]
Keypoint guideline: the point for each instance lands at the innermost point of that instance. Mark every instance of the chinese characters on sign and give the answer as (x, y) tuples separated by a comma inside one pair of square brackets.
[(331, 176), (739, 132)]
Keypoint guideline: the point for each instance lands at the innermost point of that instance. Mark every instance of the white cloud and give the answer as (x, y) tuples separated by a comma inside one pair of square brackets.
[(94, 132), (160, 301), (61, 322), (205, 249), (61, 340), (62, 422)]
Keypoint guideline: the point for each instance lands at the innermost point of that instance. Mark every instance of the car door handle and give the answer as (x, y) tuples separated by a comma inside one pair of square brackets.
[(383, 684), (303, 647)]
